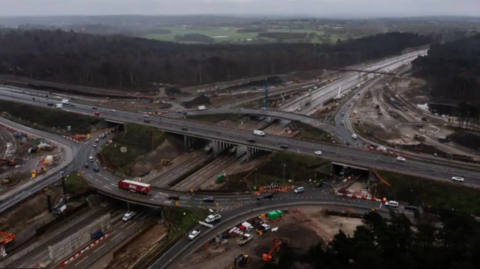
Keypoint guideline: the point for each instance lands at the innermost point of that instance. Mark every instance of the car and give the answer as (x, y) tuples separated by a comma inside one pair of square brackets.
[(284, 147), (94, 107), (400, 158), (128, 216), (410, 208), (86, 165), (96, 113), (193, 234), (146, 121), (318, 152), (393, 204), (251, 141), (184, 129), (96, 169), (96, 140), (91, 159), (209, 199), (146, 116), (299, 190), (50, 104), (458, 179), (94, 146), (342, 122), (268, 195), (173, 197), (213, 218)]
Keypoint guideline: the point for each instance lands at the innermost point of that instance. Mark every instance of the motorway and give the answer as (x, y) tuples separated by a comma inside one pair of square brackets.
[(335, 153)]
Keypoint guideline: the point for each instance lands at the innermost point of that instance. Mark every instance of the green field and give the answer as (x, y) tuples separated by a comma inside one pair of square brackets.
[(221, 34)]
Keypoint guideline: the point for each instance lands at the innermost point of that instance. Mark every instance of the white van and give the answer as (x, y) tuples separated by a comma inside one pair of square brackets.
[(258, 132)]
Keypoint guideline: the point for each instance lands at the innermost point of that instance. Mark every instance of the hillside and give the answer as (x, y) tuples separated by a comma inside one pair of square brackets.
[(126, 63)]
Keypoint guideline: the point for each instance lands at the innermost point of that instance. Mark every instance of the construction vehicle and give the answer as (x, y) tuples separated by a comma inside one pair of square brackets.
[(242, 260), (165, 162), (9, 162), (277, 244), (245, 239), (5, 238)]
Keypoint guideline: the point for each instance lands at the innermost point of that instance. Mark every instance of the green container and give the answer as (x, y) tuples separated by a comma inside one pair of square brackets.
[(273, 215)]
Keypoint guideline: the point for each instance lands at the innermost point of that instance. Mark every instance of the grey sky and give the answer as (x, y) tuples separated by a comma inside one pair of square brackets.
[(320, 8)]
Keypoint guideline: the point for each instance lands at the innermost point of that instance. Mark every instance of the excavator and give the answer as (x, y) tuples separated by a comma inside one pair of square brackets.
[(9, 162), (242, 260), (277, 244)]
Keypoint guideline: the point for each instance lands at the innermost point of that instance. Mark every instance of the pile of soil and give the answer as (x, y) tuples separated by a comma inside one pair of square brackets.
[(200, 100)]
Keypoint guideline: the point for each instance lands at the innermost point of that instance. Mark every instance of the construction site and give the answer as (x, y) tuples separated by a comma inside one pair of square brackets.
[(25, 157), (395, 112), (263, 238)]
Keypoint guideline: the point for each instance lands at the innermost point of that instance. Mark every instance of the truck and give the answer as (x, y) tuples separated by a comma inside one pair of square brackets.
[(200, 108), (245, 239), (59, 106), (213, 218), (65, 102), (263, 228), (134, 186), (258, 132)]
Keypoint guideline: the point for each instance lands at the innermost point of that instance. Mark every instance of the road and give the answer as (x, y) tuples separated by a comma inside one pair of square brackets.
[(352, 156)]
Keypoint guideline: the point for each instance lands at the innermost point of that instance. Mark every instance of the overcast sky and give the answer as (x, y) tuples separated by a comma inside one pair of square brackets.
[(320, 8)]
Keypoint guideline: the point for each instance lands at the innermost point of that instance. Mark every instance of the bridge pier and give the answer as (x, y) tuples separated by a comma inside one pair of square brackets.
[(187, 141)]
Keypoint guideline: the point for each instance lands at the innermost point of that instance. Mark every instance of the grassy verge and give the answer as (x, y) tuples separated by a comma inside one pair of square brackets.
[(431, 195), (48, 117), (137, 140), (74, 183), (310, 133), (215, 118), (182, 220)]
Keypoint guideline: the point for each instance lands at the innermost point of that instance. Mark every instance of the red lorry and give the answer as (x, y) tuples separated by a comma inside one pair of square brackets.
[(134, 186)]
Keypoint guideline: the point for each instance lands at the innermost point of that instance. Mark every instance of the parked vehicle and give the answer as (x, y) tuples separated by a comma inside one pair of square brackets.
[(245, 239), (263, 228), (134, 186)]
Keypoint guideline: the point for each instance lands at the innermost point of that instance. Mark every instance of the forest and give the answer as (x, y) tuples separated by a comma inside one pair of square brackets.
[(126, 63), (452, 70), (448, 241)]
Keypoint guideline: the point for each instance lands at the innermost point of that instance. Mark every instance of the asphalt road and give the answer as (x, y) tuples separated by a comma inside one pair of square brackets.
[(351, 156)]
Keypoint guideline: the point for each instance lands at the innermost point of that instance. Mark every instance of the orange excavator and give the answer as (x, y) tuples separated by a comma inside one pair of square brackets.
[(278, 243)]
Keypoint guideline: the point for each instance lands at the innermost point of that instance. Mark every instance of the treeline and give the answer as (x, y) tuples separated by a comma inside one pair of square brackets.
[(452, 70), (119, 62), (453, 241), (194, 38), (283, 35)]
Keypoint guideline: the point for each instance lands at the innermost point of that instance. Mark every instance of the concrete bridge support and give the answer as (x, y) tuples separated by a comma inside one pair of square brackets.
[(220, 146), (251, 152), (187, 141)]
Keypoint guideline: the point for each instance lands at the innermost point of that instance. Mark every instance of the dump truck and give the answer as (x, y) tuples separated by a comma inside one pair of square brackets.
[(245, 239)]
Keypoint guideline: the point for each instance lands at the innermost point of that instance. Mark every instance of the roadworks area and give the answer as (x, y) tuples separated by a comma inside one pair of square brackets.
[(302, 228)]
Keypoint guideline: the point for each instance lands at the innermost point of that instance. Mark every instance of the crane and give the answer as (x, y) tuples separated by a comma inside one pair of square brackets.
[(277, 244)]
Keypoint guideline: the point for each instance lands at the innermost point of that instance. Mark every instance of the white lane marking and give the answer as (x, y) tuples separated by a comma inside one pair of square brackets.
[(117, 235), (133, 224), (99, 248), (81, 261)]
